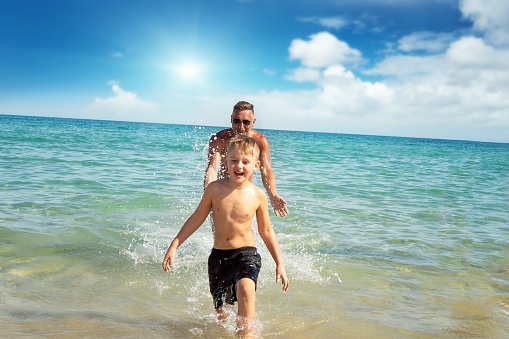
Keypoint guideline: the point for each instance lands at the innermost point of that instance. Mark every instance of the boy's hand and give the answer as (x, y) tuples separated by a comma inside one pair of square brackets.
[(168, 259), (281, 275)]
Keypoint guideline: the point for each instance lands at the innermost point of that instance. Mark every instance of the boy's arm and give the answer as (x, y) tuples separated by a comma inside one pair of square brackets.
[(189, 227), (269, 238)]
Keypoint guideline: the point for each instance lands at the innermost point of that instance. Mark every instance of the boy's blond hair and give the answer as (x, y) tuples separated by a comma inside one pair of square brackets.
[(244, 144)]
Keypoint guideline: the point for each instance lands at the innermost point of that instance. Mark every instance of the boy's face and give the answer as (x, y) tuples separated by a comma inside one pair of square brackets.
[(241, 166)]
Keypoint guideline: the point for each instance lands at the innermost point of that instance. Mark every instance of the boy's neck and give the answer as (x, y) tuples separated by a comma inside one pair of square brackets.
[(235, 185)]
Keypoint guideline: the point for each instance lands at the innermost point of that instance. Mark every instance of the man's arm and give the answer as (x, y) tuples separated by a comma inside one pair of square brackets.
[(189, 227), (269, 238), (214, 159), (269, 179)]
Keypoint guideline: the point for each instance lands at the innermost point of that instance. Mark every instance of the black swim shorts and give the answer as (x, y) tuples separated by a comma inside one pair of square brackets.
[(227, 267)]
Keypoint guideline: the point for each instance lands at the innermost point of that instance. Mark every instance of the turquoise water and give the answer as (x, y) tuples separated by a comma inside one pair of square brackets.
[(387, 237)]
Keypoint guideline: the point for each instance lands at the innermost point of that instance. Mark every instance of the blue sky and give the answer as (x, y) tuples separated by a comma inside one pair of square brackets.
[(419, 68)]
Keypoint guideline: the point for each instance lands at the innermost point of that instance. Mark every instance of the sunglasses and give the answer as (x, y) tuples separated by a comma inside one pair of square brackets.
[(237, 121)]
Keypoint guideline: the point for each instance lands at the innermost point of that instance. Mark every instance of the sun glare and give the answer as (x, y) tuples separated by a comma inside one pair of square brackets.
[(189, 71)]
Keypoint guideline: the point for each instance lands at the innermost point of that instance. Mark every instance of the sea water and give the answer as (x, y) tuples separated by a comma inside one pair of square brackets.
[(386, 237)]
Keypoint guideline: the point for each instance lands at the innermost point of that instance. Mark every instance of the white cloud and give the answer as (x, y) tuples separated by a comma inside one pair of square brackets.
[(474, 53), (304, 74), (269, 71), (404, 66), (490, 17), (117, 55), (459, 93), (362, 23), (429, 42), (322, 50), (335, 22), (122, 104)]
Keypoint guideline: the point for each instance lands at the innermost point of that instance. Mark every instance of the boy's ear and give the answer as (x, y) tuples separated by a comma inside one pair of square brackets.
[(257, 165)]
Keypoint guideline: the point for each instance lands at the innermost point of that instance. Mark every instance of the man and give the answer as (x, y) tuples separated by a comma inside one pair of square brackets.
[(243, 120)]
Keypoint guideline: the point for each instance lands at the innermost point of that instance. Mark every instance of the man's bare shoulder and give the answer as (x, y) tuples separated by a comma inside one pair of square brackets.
[(225, 134), (220, 140), (260, 139)]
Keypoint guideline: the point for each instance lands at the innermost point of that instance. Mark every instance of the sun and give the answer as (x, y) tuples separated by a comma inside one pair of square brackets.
[(190, 71)]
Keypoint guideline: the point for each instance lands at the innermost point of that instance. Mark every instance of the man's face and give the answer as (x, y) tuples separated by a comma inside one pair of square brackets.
[(242, 121)]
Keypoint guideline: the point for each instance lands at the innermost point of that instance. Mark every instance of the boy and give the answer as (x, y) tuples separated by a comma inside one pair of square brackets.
[(234, 263)]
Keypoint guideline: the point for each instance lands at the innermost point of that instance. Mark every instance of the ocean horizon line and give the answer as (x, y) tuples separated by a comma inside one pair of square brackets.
[(262, 129)]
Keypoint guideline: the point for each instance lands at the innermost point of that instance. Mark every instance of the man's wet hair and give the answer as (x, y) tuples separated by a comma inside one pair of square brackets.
[(243, 106)]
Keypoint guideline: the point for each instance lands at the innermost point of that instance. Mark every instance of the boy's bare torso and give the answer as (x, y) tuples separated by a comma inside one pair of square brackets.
[(233, 212)]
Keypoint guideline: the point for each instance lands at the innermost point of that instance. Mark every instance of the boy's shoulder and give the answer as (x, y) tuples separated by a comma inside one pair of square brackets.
[(218, 184), (258, 190), (260, 193)]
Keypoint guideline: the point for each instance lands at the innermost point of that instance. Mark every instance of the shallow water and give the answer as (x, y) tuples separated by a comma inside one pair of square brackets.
[(387, 237)]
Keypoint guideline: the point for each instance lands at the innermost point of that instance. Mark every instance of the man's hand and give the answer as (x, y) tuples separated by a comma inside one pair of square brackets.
[(279, 206)]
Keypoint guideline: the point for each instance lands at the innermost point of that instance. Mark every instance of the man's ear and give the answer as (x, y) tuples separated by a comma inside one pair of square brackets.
[(254, 120)]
